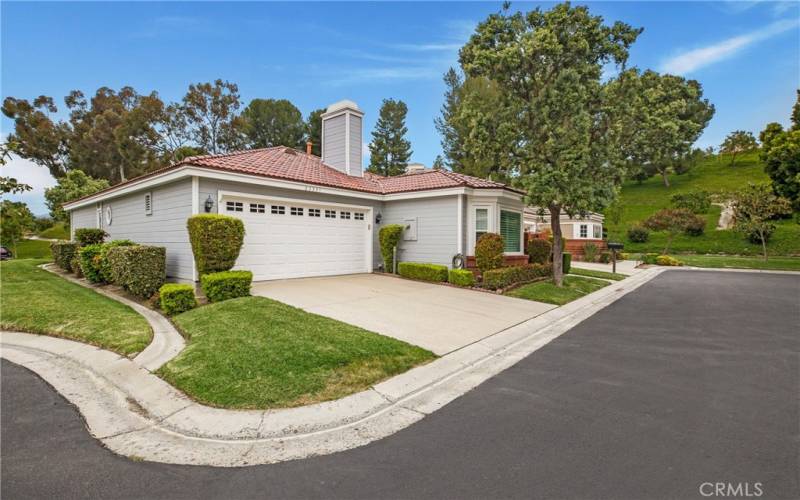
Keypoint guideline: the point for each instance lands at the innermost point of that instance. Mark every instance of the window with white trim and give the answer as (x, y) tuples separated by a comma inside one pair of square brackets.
[(510, 230), (344, 215), (278, 210), (330, 214), (358, 216), (296, 211), (481, 222), (313, 212), (234, 206), (583, 231), (148, 203), (258, 208), (597, 231)]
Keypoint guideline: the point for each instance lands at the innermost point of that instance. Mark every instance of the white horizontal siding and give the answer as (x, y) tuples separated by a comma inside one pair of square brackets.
[(437, 228), (355, 146), (334, 142), (83, 218)]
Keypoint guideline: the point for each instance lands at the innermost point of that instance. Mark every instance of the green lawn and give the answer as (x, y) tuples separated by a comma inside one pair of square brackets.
[(735, 261), (545, 291), (32, 249), (58, 231), (254, 352), (597, 274), (715, 176), (37, 301)]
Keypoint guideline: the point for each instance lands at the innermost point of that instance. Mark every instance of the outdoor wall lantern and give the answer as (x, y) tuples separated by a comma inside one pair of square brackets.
[(378, 218), (209, 204)]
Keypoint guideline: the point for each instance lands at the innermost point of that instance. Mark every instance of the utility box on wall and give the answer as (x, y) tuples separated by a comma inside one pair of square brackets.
[(410, 232)]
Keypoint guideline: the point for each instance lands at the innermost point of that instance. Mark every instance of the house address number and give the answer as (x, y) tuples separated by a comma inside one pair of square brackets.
[(313, 189)]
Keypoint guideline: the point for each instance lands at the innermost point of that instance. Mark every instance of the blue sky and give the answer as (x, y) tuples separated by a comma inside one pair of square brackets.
[(745, 54)]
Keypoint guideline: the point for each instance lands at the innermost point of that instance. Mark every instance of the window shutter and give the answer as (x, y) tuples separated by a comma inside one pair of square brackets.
[(510, 223)]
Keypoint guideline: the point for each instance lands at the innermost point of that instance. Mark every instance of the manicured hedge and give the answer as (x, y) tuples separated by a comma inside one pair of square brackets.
[(64, 252), (226, 285), (461, 277), (649, 258), (105, 267), (139, 269), (539, 251), (389, 237), (89, 236), (489, 252), (507, 276), (90, 262), (216, 241), (177, 298), (76, 266), (566, 262), (424, 272), (666, 260)]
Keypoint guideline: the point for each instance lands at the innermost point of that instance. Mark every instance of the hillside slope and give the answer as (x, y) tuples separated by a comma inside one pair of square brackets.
[(715, 176)]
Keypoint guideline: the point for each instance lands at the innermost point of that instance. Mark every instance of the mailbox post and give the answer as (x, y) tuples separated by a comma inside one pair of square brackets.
[(614, 247)]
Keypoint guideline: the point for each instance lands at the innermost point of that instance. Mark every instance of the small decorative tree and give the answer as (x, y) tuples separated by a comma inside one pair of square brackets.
[(489, 252), (738, 141), (754, 207), (216, 241), (389, 237), (671, 220), (539, 251)]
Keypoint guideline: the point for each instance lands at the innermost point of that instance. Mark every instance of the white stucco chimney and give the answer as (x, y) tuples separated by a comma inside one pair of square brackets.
[(341, 137)]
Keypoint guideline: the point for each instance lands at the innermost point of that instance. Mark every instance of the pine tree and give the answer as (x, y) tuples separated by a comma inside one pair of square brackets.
[(389, 149), (446, 123)]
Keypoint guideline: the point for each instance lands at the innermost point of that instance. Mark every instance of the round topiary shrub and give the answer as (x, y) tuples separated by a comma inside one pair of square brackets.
[(489, 252), (389, 237), (216, 241), (695, 226), (89, 236), (638, 234), (539, 251), (105, 267)]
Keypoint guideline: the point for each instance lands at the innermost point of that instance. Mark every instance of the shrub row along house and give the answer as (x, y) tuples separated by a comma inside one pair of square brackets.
[(305, 215)]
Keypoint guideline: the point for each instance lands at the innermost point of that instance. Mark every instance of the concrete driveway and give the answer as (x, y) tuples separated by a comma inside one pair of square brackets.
[(438, 318)]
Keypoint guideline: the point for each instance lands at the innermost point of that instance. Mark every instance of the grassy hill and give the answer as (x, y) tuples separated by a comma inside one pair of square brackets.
[(715, 176)]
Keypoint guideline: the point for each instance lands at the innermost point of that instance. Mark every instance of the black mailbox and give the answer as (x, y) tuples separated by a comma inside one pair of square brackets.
[(615, 246)]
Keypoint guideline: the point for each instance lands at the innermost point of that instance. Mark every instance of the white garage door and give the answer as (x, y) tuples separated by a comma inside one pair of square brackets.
[(294, 239)]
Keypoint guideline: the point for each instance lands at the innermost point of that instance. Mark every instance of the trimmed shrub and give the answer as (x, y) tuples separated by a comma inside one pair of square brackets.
[(216, 241), (89, 236), (697, 202), (389, 237), (64, 252), (461, 277), (695, 226), (507, 276), (566, 262), (105, 268), (489, 252), (623, 256), (605, 257), (649, 258), (226, 285), (638, 234), (177, 298), (90, 262), (540, 251), (666, 260), (590, 252), (76, 266), (140, 269), (424, 272)]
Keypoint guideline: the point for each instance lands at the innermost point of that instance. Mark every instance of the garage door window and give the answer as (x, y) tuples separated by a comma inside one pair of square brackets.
[(330, 214), (313, 212), (344, 215), (297, 211), (234, 206), (258, 208), (358, 216), (278, 210)]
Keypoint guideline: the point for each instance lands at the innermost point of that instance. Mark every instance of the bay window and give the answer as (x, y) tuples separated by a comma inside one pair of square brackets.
[(510, 230), (481, 222)]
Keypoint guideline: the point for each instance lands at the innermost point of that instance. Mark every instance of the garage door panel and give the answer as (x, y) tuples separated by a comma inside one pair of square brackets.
[(278, 246)]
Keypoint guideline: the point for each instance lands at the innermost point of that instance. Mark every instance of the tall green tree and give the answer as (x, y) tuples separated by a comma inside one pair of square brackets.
[(446, 123), (668, 115), (549, 65), (10, 184), (796, 113), (15, 219), (75, 184), (780, 152), (754, 208), (737, 142), (273, 122), (211, 109), (36, 136), (314, 131), (389, 149)]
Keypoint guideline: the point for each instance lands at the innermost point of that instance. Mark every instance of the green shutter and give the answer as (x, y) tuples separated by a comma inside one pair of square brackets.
[(510, 223)]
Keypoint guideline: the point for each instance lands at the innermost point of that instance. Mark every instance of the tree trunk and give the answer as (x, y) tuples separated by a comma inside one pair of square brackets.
[(122, 174), (669, 242), (664, 176), (763, 244), (558, 247)]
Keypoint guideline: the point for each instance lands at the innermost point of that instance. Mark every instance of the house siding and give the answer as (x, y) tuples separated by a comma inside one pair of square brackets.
[(437, 228), (355, 146), (165, 227), (82, 217), (333, 142)]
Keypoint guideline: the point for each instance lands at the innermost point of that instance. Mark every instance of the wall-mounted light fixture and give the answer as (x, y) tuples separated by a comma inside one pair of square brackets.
[(378, 218), (209, 204)]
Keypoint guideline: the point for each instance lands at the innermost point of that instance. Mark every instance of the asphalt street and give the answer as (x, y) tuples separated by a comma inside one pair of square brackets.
[(692, 379)]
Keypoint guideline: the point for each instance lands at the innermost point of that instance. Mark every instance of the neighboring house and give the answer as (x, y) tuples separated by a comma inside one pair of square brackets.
[(588, 227), (305, 215)]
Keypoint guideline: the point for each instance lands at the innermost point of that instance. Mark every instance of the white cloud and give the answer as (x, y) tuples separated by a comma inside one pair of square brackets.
[(428, 47), (37, 177), (393, 74), (704, 56)]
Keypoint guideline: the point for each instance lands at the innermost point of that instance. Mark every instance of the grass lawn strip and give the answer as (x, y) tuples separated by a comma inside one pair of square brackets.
[(574, 287), (254, 352), (741, 262), (36, 301), (32, 249), (591, 273)]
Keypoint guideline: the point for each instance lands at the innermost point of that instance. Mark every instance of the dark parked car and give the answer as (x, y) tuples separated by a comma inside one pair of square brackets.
[(5, 253)]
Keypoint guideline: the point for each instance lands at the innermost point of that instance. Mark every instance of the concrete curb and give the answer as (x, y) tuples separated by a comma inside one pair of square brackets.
[(733, 270), (167, 341), (135, 413)]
